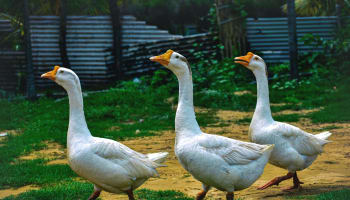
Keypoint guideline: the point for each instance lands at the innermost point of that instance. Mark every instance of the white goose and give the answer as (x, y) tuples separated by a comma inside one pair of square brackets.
[(216, 161), (294, 149), (109, 165)]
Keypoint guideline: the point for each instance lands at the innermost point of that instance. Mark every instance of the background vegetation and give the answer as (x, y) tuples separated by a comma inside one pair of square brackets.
[(142, 108)]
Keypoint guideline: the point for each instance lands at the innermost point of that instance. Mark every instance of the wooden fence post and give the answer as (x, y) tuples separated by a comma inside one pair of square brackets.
[(117, 37), (63, 33), (293, 45), (338, 14), (31, 92)]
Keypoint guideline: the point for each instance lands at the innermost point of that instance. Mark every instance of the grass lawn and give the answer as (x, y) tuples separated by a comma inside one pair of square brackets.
[(133, 110), (78, 190), (333, 195)]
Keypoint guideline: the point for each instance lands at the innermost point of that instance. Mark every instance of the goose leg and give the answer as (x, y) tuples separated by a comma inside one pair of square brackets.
[(229, 196), (296, 183), (277, 180), (95, 194), (130, 194), (201, 194)]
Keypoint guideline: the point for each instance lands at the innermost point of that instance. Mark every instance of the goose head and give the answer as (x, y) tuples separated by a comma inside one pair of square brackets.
[(252, 62), (174, 61), (63, 77)]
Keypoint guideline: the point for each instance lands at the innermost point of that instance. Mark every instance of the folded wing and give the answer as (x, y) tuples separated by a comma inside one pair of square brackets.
[(233, 152)]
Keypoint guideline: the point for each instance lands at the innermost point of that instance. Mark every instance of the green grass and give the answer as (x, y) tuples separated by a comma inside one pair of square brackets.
[(287, 117), (224, 100), (66, 191), (335, 102), (281, 118), (115, 114), (336, 110), (33, 172), (327, 128), (245, 120), (78, 190), (145, 194), (289, 106), (333, 195)]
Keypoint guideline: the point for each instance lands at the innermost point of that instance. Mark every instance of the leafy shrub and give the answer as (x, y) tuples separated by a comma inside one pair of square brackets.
[(290, 84)]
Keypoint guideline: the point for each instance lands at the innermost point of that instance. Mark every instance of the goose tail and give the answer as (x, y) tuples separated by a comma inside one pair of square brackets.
[(323, 137), (269, 149), (158, 157)]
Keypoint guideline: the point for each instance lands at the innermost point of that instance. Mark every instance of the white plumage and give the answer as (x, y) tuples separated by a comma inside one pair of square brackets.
[(216, 161), (108, 164), (294, 149)]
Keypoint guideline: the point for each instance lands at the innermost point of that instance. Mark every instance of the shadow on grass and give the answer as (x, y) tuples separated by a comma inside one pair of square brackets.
[(322, 193), (308, 191)]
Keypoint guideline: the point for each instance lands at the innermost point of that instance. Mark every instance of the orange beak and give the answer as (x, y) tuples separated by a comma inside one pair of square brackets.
[(244, 60), (51, 74), (163, 59)]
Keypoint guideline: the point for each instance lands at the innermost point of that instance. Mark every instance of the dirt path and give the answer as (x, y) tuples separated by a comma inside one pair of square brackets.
[(331, 170)]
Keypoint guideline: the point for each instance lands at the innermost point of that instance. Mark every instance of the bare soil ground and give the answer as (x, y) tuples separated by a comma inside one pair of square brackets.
[(331, 170)]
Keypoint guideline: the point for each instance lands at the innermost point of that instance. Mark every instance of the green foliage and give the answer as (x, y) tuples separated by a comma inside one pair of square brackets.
[(224, 100), (319, 7), (312, 95), (333, 56), (290, 84), (13, 40), (214, 74), (278, 70), (334, 195)]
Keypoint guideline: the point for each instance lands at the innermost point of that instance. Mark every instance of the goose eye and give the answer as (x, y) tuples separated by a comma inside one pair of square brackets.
[(61, 72), (256, 58), (176, 56)]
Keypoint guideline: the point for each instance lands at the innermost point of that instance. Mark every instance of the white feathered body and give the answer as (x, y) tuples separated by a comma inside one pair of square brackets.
[(216, 161), (223, 163), (110, 165), (294, 148)]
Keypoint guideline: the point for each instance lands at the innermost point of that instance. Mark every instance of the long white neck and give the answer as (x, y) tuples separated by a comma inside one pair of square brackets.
[(262, 114), (77, 129), (185, 120)]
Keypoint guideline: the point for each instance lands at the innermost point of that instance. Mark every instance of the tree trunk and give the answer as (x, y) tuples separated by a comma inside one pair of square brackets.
[(63, 33), (293, 45), (117, 37), (230, 25), (31, 92)]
